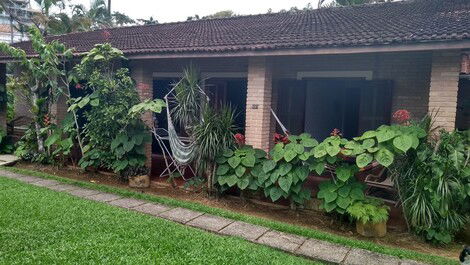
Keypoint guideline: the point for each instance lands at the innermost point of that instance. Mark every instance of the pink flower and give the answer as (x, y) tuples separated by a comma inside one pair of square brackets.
[(78, 86), (401, 116)]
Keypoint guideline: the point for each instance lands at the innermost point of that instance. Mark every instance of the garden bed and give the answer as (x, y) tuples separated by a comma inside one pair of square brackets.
[(395, 237)]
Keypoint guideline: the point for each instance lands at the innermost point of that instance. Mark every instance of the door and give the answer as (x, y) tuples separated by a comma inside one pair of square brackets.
[(376, 104)]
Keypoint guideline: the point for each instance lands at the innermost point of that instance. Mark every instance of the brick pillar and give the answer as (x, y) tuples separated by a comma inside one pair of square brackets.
[(258, 103), (3, 97), (144, 85), (444, 87)]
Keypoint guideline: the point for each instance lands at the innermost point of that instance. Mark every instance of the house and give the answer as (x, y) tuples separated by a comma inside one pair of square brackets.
[(347, 67)]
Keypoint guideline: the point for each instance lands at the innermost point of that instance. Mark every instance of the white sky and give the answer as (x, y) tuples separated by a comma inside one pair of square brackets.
[(179, 10)]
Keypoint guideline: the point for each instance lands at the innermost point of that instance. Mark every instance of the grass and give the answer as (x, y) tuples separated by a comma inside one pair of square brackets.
[(279, 226), (41, 226)]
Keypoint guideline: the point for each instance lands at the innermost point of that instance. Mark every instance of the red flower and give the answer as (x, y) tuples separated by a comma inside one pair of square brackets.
[(78, 86), (279, 138), (401, 116), (240, 139)]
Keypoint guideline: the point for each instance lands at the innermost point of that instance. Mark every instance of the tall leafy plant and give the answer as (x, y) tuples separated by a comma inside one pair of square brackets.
[(43, 77), (213, 135), (114, 139), (434, 186)]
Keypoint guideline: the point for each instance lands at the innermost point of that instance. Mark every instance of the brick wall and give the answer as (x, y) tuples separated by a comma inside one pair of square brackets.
[(258, 103), (444, 88), (142, 75)]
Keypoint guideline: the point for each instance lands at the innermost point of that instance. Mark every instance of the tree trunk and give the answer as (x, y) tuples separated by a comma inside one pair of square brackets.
[(37, 126)]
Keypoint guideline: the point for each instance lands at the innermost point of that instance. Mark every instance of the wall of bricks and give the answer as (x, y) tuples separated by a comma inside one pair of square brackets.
[(444, 88), (258, 103), (144, 85)]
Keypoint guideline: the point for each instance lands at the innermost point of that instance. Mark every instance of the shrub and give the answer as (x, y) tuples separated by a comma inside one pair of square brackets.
[(369, 211), (434, 186)]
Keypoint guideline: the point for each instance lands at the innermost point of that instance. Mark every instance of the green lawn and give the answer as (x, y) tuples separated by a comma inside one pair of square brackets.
[(284, 227), (40, 226)]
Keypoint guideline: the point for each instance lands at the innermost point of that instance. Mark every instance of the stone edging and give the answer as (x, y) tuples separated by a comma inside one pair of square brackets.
[(297, 245)]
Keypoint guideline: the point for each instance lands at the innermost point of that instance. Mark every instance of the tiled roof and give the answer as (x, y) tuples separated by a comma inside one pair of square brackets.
[(404, 22)]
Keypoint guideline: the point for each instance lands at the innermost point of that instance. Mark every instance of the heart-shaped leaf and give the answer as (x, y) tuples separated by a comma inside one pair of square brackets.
[(384, 157), (240, 170), (363, 160), (243, 183), (268, 165), (234, 161), (289, 155), (284, 168), (285, 182), (403, 142), (222, 170), (249, 160), (275, 193)]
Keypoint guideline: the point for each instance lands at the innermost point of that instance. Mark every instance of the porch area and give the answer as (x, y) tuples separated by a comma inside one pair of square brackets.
[(318, 93)]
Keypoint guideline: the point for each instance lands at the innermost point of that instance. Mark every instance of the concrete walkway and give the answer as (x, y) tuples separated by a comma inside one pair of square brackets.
[(297, 245)]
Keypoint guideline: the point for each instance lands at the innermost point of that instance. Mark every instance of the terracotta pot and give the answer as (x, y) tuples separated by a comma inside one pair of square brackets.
[(371, 230), (139, 181)]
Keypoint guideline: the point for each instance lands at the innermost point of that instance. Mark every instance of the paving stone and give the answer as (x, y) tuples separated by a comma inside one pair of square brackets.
[(180, 215), (29, 179), (247, 231), (46, 183), (151, 208), (80, 192), (11, 175), (365, 257), (323, 251), (282, 241), (127, 202), (103, 197), (63, 187), (411, 262), (210, 222)]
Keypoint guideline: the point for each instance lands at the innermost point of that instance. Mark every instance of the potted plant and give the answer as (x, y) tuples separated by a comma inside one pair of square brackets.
[(371, 217), (138, 177)]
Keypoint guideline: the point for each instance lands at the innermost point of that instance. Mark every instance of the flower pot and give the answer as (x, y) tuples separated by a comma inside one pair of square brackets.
[(142, 181), (371, 229)]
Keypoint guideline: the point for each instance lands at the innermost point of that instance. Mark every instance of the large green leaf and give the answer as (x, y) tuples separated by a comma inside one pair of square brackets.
[(243, 183), (299, 149), (222, 170), (357, 194), (275, 193), (403, 142), (284, 168), (318, 167), (309, 142), (277, 155), (285, 183), (302, 173), (240, 170), (289, 155), (249, 160), (363, 160), (333, 150), (329, 207), (343, 202), (384, 157), (344, 191), (319, 151), (260, 153), (227, 153), (221, 160), (268, 165), (343, 173), (368, 134), (234, 161), (368, 143), (257, 170), (330, 196), (385, 135), (231, 180)]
